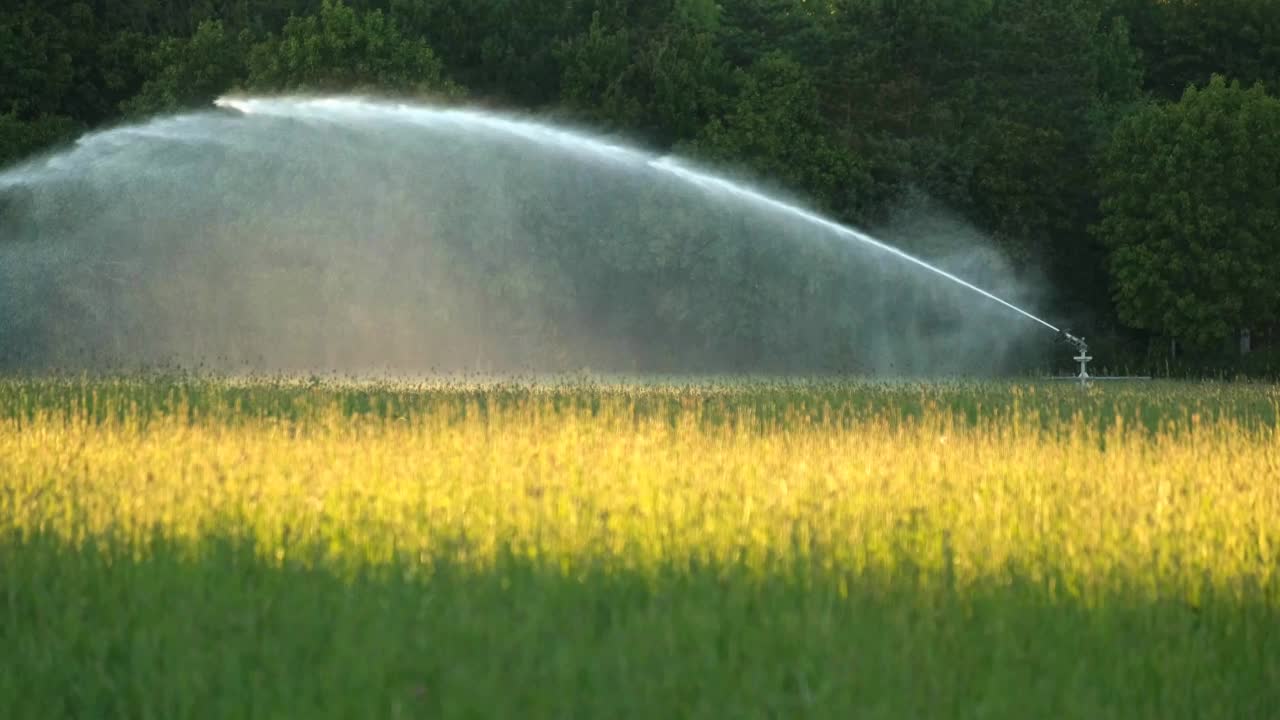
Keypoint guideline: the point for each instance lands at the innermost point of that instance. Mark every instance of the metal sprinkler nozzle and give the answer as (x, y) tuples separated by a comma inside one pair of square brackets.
[(1080, 344)]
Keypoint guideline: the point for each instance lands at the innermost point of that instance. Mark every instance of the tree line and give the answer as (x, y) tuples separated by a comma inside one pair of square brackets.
[(1125, 149)]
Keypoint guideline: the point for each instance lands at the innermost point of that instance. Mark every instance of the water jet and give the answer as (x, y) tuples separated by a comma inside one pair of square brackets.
[(301, 228)]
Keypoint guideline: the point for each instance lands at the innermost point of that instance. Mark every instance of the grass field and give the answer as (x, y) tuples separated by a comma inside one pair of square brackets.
[(174, 548)]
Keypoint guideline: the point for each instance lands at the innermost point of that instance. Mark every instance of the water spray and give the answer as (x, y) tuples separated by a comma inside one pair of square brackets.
[(101, 153)]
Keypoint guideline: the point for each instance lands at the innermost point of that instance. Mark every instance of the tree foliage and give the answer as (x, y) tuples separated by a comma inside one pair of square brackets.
[(1190, 213), (20, 138), (662, 86), (1185, 42), (774, 129), (187, 72), (341, 48)]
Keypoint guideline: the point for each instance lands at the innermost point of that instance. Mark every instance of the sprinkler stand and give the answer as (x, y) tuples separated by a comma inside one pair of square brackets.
[(1083, 357)]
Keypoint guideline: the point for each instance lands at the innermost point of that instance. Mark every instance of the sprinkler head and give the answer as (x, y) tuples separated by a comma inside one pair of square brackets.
[(1083, 358), (1079, 342)]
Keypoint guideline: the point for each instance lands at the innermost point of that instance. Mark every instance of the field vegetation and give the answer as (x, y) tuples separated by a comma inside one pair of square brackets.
[(206, 548)]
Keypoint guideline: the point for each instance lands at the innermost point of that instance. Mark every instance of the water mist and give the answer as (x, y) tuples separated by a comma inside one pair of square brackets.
[(347, 235)]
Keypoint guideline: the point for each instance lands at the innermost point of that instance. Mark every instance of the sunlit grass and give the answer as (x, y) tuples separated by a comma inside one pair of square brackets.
[(792, 549)]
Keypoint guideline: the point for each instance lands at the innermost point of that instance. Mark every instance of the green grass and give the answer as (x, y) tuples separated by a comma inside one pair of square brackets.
[(1152, 405), (105, 630), (198, 548)]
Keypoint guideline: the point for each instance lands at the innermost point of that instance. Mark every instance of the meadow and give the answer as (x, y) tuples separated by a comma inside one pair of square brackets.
[(186, 547)]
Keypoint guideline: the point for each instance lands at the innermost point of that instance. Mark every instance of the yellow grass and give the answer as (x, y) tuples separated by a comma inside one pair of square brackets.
[(1122, 505), (189, 549)]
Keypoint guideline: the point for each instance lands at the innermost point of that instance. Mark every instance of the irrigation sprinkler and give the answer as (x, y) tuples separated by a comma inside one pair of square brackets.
[(1083, 357)]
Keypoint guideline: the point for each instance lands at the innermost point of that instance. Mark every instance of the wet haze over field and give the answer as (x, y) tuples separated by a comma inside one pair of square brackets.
[(302, 235)]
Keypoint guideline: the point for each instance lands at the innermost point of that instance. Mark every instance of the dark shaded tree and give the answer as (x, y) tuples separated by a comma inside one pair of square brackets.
[(344, 49), (661, 86), (1185, 42), (190, 72), (774, 129), (1190, 215)]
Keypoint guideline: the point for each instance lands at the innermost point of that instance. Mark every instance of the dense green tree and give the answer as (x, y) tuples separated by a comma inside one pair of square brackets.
[(1184, 42), (504, 50), (1190, 213), (898, 81), (751, 29), (65, 58), (192, 71), (774, 129), (20, 138), (344, 49), (663, 87), (1048, 71), (36, 60), (596, 65)]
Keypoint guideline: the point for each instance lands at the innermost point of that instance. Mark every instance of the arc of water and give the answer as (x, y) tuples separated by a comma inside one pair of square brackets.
[(705, 180), (537, 132), (327, 108)]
